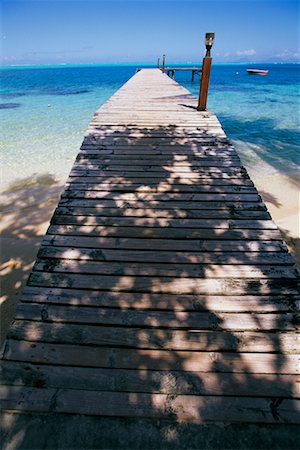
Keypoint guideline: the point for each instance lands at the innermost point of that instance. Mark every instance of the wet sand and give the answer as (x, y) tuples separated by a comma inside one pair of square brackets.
[(28, 207)]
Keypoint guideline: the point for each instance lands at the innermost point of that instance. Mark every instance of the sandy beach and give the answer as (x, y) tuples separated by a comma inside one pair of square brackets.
[(26, 210), (28, 207)]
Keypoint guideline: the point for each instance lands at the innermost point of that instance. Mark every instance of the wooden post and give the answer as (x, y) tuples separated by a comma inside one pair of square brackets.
[(158, 59), (173, 74), (193, 74), (163, 64), (205, 74), (204, 83)]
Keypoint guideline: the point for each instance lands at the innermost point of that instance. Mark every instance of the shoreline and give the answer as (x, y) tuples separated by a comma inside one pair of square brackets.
[(23, 228)]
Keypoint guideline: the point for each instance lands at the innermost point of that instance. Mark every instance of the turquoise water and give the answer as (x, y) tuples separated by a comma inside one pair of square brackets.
[(259, 113), (45, 112)]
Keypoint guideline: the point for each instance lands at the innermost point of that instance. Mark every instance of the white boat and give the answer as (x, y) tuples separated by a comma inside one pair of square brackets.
[(257, 72)]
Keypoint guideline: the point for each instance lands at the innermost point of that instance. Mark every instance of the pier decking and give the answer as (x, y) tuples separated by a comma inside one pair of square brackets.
[(162, 289)]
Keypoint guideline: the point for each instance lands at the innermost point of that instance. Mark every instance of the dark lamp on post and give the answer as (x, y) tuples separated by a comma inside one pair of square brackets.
[(209, 40)]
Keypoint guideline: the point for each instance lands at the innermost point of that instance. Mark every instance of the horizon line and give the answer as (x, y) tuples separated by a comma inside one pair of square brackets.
[(134, 63)]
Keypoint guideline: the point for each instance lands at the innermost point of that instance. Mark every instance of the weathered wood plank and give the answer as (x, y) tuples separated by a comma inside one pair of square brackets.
[(165, 285), (191, 408), (96, 346), (76, 189), (155, 131), (152, 197), (164, 382), (152, 164), (164, 270), (167, 233), (163, 141), (162, 150), (162, 256), (155, 154), (161, 319), (190, 181), (165, 244), (255, 205), (121, 221), (189, 302), (160, 171), (231, 212)]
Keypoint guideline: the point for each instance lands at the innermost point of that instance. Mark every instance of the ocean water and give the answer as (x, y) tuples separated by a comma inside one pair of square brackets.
[(261, 114), (46, 110)]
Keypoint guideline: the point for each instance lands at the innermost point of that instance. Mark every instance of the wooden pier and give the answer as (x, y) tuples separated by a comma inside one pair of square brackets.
[(162, 289), (170, 71)]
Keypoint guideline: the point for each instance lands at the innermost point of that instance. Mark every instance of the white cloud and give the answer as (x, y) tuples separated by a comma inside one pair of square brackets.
[(226, 54), (251, 52), (9, 58), (288, 54)]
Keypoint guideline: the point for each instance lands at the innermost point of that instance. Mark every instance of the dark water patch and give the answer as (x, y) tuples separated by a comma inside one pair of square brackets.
[(12, 94), (9, 105), (66, 91)]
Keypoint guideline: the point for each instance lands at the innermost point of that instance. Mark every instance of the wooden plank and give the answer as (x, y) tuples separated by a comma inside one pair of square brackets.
[(142, 301), (164, 152), (182, 197), (232, 212), (152, 165), (164, 382), (168, 121), (184, 181), (170, 257), (164, 270), (170, 141), (196, 409), (135, 204), (180, 153), (121, 221), (165, 244), (159, 148), (184, 68), (158, 160), (96, 346), (172, 150), (162, 319), (209, 171), (76, 189), (172, 153), (164, 175), (168, 233), (203, 135), (161, 126), (165, 285)]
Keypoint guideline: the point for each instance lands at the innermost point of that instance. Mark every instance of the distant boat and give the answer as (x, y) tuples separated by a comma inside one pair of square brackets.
[(257, 72)]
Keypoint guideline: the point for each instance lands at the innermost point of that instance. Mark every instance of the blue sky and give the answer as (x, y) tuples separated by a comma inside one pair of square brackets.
[(97, 31)]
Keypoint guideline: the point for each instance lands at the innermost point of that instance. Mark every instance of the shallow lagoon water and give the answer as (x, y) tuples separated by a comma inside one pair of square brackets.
[(259, 113), (45, 112)]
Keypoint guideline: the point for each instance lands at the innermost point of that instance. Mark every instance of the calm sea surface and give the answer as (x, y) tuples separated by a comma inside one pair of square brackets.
[(45, 111)]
